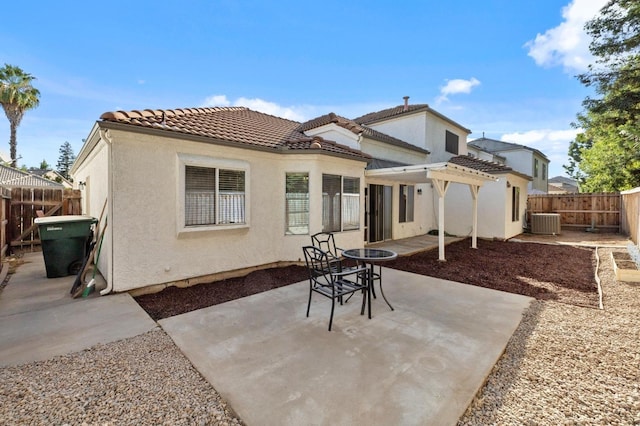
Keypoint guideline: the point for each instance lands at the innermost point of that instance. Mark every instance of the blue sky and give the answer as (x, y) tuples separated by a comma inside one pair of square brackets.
[(500, 67)]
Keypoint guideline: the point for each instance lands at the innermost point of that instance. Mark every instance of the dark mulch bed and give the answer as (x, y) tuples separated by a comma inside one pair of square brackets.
[(547, 272), (175, 301)]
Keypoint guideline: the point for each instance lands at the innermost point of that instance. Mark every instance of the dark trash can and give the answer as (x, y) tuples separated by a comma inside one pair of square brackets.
[(64, 242)]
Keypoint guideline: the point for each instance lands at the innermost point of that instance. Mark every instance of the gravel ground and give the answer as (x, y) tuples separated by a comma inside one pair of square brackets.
[(144, 380), (565, 365)]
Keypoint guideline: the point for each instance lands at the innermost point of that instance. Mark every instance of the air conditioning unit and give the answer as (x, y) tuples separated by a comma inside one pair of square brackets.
[(545, 223)]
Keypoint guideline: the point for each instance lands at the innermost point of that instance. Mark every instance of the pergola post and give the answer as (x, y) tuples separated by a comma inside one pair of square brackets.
[(441, 187), (474, 235)]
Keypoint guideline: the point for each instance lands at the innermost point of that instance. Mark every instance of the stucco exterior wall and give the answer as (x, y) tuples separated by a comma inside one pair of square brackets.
[(494, 208), (148, 247), (522, 160), (95, 173), (426, 131), (513, 228), (411, 129), (540, 182), (378, 149)]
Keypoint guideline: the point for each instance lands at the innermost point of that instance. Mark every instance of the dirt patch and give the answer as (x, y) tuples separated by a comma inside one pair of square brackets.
[(547, 272)]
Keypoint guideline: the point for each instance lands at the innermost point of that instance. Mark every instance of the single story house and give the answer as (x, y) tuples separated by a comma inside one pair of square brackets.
[(202, 193)]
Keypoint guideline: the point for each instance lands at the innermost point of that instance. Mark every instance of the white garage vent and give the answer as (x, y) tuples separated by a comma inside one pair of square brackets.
[(545, 223)]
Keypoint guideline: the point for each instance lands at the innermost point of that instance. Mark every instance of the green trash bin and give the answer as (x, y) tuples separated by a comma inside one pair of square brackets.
[(64, 242)]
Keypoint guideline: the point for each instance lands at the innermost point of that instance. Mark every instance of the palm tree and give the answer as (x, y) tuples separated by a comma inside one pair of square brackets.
[(17, 95)]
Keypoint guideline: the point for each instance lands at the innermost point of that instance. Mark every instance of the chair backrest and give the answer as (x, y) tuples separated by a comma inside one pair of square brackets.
[(325, 242), (318, 265)]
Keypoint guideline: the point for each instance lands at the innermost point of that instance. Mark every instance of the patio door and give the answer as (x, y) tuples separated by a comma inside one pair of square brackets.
[(379, 212)]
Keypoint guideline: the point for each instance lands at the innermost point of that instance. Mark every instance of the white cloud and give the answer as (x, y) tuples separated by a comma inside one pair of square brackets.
[(568, 43), (456, 86), (216, 100), (541, 136), (257, 104)]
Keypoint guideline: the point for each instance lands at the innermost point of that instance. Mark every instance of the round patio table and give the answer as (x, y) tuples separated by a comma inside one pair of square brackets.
[(371, 256)]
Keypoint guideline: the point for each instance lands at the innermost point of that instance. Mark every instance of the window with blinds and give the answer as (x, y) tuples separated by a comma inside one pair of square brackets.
[(214, 196), (340, 203), (350, 203), (297, 203)]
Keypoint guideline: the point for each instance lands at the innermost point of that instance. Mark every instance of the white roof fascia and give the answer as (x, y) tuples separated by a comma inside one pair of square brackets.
[(424, 173)]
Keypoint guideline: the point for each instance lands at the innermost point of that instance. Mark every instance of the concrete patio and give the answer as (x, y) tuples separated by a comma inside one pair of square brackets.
[(420, 364)]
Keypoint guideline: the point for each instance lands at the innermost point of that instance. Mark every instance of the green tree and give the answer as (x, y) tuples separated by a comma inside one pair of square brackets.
[(17, 95), (605, 157), (44, 165), (66, 159)]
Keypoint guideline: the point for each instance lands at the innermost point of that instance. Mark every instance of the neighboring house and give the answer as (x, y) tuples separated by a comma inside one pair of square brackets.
[(51, 175), (197, 193), (12, 178), (4, 157), (563, 185), (523, 159)]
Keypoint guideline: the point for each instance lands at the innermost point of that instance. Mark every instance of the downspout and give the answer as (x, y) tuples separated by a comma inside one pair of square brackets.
[(106, 136)]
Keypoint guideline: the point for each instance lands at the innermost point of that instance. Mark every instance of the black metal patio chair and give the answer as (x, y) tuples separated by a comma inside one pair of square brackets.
[(326, 242), (334, 284)]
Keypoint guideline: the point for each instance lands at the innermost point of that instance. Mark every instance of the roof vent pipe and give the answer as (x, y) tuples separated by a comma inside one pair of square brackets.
[(406, 103)]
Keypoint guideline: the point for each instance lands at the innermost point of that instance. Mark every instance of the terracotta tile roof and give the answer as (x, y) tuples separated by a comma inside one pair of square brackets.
[(357, 129), (238, 125), (11, 177), (399, 110)]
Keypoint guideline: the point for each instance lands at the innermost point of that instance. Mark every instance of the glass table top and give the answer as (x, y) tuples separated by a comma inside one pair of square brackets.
[(370, 254)]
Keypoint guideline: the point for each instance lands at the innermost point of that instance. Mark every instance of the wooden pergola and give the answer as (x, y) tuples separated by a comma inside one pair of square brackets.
[(441, 175)]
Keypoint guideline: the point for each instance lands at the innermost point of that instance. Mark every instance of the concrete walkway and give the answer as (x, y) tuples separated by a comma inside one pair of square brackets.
[(39, 318), (420, 364)]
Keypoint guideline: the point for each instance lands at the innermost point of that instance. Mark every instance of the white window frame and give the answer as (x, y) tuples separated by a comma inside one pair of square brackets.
[(287, 228), (185, 160), (341, 208)]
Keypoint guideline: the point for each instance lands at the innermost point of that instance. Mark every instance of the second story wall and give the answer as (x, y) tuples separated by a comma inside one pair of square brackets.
[(427, 131)]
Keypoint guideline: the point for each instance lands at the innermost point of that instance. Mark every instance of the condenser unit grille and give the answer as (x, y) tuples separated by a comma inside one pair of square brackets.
[(545, 223)]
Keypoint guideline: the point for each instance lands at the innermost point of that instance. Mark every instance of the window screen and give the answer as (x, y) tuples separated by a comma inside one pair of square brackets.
[(297, 203), (350, 203), (340, 203), (200, 195), (214, 196), (331, 194)]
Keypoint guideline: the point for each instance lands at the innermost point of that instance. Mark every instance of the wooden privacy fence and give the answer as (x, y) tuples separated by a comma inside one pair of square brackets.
[(5, 208), (25, 204), (630, 215), (599, 210)]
